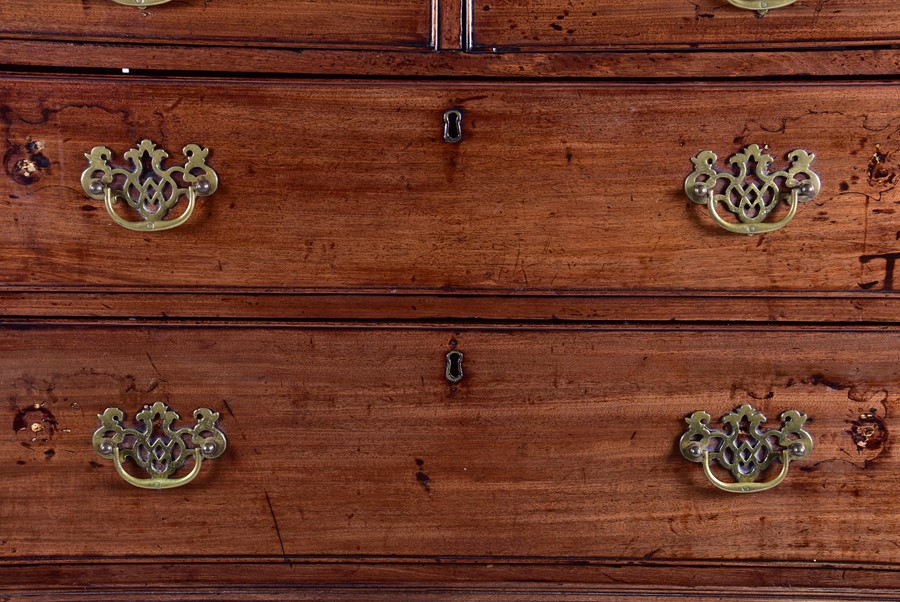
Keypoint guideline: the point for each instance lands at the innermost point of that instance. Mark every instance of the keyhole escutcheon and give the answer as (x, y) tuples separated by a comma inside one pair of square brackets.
[(453, 126), (454, 369)]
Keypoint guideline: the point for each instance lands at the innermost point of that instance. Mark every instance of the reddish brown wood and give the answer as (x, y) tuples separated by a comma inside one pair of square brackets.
[(581, 25), (394, 577), (408, 212), (433, 594), (784, 308), (349, 441), (499, 24), (551, 65), (355, 471), (308, 23), (484, 593), (450, 32)]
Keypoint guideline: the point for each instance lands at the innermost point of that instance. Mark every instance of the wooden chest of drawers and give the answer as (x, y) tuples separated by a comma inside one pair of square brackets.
[(460, 305)]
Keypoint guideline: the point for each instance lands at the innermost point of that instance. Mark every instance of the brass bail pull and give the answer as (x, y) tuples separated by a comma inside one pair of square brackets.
[(148, 189), (156, 447), (744, 449), (141, 3), (750, 191), (760, 6)]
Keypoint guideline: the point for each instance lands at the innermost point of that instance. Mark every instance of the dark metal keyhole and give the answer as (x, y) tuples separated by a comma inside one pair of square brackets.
[(452, 126), (454, 369)]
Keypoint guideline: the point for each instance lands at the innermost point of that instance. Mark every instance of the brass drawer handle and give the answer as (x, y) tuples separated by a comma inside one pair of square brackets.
[(749, 191), (141, 3), (743, 449), (760, 6), (152, 195), (156, 448)]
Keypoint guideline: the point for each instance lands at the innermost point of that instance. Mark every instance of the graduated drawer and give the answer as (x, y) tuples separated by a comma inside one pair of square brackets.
[(599, 25), (350, 443), (344, 24), (351, 187)]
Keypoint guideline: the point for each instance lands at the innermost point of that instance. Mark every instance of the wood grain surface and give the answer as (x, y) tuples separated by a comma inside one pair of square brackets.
[(689, 64), (349, 442), (336, 23), (443, 592), (590, 25), (349, 186), (494, 25), (444, 578), (786, 308), (312, 300)]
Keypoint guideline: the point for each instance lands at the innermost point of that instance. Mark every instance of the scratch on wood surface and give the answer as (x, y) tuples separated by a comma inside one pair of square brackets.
[(277, 529), (228, 409)]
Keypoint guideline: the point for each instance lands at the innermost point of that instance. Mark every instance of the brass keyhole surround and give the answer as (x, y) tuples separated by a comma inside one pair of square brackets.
[(454, 368), (453, 126)]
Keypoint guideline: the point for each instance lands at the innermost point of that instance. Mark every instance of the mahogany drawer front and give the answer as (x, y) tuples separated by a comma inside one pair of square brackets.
[(350, 187), (586, 26), (336, 24), (348, 441)]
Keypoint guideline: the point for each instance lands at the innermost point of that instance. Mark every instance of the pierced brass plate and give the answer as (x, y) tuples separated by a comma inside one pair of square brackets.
[(141, 3), (156, 447), (743, 449), (749, 191), (148, 188), (761, 6)]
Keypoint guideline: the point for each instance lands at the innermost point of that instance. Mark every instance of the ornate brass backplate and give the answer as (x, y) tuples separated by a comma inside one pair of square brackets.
[(760, 6), (148, 188), (156, 447), (743, 449), (749, 191), (141, 3)]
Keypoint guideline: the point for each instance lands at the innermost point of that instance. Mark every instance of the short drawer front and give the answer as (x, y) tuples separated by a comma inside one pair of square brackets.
[(351, 187), (351, 441), (544, 24), (344, 24)]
